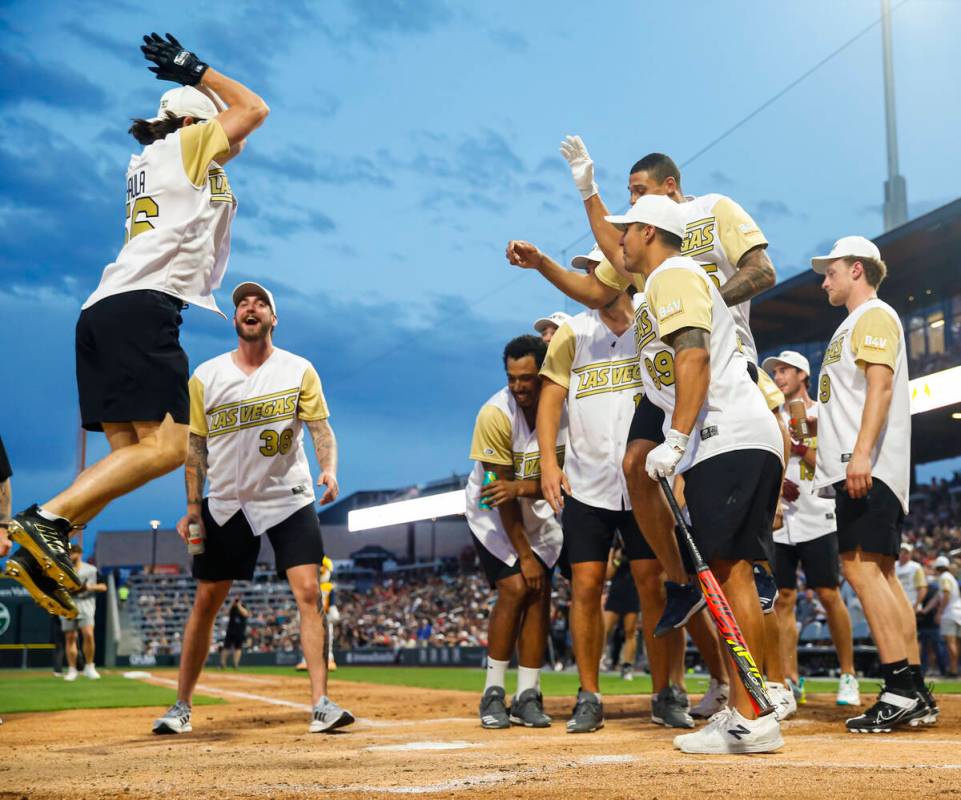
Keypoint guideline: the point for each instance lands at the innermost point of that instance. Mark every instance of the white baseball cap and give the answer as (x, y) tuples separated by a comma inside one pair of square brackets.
[(596, 256), (847, 247), (185, 101), (249, 287), (652, 209), (942, 562), (790, 357), (558, 318)]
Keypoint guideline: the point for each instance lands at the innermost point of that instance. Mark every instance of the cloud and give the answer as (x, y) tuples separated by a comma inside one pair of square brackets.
[(720, 179), (285, 225), (379, 17), (770, 210), (25, 79), (337, 170), (554, 164), (510, 40), (126, 50)]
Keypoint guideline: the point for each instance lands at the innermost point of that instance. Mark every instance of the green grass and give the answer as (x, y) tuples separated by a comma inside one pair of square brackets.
[(34, 690), (553, 684)]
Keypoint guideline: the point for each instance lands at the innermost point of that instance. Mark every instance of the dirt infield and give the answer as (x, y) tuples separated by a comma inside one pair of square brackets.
[(417, 741)]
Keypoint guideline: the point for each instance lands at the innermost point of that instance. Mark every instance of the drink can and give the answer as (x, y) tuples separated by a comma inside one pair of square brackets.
[(799, 419), (195, 539), (488, 477)]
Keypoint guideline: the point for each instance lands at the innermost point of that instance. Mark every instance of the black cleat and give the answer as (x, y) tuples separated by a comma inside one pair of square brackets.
[(766, 588), (50, 596), (48, 543), (588, 714), (684, 600), (931, 709), (493, 710), (894, 707), (527, 709)]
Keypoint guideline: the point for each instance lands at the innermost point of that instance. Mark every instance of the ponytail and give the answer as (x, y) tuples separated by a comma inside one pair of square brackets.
[(148, 131)]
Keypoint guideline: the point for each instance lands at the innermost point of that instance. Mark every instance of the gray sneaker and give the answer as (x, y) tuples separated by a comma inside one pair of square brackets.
[(493, 710), (175, 720), (527, 709), (588, 715), (669, 708), (329, 716)]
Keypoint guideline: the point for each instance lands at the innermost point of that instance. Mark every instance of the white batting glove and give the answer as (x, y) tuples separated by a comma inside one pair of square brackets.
[(663, 459), (582, 167)]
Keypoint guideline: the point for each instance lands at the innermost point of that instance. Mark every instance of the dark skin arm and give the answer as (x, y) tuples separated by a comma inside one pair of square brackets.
[(692, 375), (513, 522), (755, 273)]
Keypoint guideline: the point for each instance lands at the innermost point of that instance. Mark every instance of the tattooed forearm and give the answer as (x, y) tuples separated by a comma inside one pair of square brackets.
[(755, 273), (325, 444), (196, 469), (689, 339), (6, 501)]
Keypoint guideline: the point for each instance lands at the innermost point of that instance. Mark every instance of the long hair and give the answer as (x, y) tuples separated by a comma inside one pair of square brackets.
[(148, 131)]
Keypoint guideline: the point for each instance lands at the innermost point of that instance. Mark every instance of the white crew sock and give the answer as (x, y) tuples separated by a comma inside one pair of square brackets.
[(496, 672), (48, 516), (528, 678)]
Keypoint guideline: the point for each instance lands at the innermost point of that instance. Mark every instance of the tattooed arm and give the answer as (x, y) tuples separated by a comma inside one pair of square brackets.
[(195, 475), (325, 445), (755, 273), (6, 506), (692, 375)]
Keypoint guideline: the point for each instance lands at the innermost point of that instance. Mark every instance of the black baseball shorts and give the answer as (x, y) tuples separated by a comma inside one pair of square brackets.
[(818, 558), (872, 523), (589, 533), (130, 365), (647, 423), (234, 638), (496, 570), (231, 551), (731, 498)]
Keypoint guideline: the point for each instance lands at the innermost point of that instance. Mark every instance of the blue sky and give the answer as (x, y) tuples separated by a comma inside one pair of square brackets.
[(408, 141)]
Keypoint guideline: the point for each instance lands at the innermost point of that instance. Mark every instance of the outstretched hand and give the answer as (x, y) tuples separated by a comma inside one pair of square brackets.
[(523, 254), (173, 61)]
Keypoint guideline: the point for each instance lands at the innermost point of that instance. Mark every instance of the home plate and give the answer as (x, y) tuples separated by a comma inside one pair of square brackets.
[(421, 746)]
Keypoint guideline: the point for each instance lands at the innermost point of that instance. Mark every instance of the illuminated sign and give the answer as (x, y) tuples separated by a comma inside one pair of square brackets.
[(937, 390), (420, 508)]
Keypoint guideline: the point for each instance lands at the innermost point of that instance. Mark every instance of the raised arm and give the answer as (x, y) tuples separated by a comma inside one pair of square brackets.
[(325, 446), (585, 289), (755, 273)]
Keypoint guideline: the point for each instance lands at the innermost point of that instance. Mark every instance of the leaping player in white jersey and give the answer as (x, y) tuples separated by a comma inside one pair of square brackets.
[(247, 412), (131, 370), (863, 460)]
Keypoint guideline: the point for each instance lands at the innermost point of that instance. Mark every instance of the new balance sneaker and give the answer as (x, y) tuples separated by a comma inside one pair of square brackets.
[(766, 588), (588, 714), (493, 709), (176, 719), (71, 674), (47, 593), (48, 542), (727, 732), (714, 700), (848, 691), (527, 709), (894, 707), (785, 706), (931, 709), (668, 707), (329, 716), (684, 600), (627, 672), (798, 690), (90, 671)]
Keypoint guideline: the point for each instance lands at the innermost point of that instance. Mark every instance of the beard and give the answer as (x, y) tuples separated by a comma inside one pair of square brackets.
[(262, 331)]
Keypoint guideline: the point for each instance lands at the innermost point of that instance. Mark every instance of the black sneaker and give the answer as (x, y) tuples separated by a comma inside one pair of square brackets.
[(931, 709), (766, 588), (50, 596), (588, 714), (894, 707), (48, 543), (669, 708), (684, 600), (493, 710), (527, 709)]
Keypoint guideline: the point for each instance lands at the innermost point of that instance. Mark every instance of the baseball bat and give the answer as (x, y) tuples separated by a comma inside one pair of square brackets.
[(722, 615)]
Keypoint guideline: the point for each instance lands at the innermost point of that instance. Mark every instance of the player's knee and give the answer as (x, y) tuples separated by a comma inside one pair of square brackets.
[(512, 593), (785, 600), (308, 599)]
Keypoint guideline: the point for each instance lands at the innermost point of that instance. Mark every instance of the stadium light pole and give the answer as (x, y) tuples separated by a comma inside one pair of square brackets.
[(154, 524), (895, 187)]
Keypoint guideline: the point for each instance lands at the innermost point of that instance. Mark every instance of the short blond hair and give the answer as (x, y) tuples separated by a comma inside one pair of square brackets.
[(875, 270)]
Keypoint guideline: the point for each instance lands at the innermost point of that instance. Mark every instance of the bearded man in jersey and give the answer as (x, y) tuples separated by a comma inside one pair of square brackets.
[(248, 408), (718, 433), (131, 370), (864, 462)]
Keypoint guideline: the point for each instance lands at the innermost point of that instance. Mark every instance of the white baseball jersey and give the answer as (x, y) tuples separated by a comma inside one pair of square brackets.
[(948, 584), (912, 579), (177, 220), (735, 415), (871, 334), (502, 436), (253, 423), (718, 234), (602, 374), (810, 516)]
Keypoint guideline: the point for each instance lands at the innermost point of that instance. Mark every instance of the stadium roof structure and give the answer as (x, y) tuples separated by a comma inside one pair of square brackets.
[(924, 264)]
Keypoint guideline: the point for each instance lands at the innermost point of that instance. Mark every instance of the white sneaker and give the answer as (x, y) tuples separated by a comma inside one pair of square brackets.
[(70, 674), (329, 716), (90, 671), (714, 700), (848, 691), (175, 720), (729, 732), (785, 706)]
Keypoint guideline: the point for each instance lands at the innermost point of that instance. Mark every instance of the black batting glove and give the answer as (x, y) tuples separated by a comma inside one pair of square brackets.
[(173, 62)]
